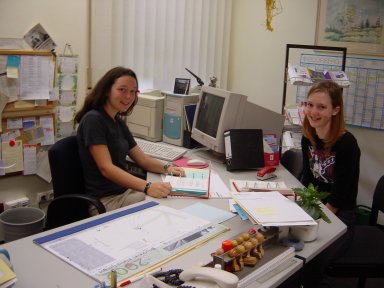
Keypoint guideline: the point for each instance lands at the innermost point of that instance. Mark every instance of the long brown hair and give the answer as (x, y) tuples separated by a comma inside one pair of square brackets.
[(99, 95), (337, 125)]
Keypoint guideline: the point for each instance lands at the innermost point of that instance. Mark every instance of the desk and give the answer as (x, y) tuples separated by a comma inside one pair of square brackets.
[(36, 267)]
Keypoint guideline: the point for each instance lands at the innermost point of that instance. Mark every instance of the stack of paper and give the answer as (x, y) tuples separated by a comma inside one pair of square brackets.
[(274, 257), (295, 115), (272, 209), (340, 77), (299, 75)]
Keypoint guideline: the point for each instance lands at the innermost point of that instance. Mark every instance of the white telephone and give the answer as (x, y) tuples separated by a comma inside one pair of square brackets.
[(207, 275), (199, 277)]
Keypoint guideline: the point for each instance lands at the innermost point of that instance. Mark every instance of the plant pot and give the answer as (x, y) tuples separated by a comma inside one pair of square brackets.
[(306, 233)]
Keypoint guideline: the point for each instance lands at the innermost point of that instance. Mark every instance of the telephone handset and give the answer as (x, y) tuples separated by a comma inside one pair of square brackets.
[(199, 277), (204, 277)]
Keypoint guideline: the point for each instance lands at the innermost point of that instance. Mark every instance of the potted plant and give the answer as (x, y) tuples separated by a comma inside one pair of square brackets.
[(310, 200)]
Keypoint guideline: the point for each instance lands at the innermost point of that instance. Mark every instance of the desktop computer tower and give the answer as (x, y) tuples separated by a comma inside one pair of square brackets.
[(174, 119)]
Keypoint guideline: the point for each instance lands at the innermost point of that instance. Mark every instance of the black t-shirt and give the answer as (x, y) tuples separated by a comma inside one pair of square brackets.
[(337, 173), (96, 128)]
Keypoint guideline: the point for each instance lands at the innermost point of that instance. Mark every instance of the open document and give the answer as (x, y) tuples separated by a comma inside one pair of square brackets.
[(194, 184), (272, 209)]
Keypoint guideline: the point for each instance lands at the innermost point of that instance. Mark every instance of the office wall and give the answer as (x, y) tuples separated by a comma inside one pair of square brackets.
[(66, 22), (257, 70)]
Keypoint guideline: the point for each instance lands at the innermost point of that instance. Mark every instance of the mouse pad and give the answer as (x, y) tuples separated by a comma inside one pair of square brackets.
[(182, 162)]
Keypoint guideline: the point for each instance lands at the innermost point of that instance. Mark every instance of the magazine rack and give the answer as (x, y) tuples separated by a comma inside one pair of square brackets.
[(308, 47)]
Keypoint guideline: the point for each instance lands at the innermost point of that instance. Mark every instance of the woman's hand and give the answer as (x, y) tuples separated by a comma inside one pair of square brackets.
[(177, 171), (330, 207), (159, 189)]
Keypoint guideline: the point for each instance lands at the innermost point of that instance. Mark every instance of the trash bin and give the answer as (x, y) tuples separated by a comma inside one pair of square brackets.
[(363, 213), (21, 222)]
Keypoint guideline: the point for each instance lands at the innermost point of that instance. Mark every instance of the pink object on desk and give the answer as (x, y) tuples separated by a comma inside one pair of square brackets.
[(182, 162)]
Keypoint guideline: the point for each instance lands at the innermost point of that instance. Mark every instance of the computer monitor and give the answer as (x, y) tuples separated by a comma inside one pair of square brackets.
[(216, 112), (219, 110)]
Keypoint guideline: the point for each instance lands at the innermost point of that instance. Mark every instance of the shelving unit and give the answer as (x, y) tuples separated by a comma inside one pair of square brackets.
[(297, 129), (342, 50)]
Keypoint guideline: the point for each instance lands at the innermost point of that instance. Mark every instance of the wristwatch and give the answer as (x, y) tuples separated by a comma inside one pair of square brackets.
[(147, 187), (166, 166)]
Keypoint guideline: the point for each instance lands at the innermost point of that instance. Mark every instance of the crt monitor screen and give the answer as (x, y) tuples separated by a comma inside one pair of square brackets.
[(217, 111), (210, 110)]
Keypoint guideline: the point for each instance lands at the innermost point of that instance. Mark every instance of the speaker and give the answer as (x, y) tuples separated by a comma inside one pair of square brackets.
[(244, 149)]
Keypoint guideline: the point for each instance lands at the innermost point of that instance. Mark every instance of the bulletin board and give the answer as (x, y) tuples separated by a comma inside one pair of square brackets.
[(364, 98), (27, 81)]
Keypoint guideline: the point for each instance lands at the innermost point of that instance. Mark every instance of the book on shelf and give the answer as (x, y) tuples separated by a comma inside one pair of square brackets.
[(299, 75), (194, 184)]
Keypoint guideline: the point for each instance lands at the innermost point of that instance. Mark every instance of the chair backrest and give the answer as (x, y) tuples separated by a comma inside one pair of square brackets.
[(378, 201), (67, 180), (66, 169), (292, 160)]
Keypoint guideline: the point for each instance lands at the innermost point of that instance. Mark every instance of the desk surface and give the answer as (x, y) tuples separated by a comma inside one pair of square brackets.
[(36, 267)]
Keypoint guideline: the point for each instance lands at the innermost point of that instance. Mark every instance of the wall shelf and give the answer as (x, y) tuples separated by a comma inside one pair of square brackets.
[(342, 50)]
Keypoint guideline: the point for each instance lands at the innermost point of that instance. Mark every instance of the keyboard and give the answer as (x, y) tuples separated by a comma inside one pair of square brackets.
[(161, 150)]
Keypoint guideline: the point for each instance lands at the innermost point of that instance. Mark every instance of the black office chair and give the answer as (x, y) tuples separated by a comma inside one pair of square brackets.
[(292, 160), (365, 258), (70, 203)]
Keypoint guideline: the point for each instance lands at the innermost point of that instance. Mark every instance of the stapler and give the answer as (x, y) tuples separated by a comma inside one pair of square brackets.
[(266, 173)]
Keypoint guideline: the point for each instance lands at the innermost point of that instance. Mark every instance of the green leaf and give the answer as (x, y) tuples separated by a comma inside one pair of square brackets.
[(310, 201)]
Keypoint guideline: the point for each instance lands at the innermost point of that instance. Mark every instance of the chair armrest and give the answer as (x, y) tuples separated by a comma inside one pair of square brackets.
[(91, 199), (68, 208)]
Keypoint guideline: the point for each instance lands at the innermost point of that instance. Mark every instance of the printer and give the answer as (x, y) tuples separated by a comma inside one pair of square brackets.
[(146, 119)]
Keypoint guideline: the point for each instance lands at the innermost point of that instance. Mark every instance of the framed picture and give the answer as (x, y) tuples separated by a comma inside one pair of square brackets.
[(357, 25), (181, 86)]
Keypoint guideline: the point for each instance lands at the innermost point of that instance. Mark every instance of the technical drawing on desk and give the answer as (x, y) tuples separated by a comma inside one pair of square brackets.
[(132, 244)]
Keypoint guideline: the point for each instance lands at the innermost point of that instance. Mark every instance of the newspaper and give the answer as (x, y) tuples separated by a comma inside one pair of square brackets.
[(39, 39)]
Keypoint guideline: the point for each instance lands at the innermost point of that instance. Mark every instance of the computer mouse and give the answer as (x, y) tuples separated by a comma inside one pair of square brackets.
[(196, 162)]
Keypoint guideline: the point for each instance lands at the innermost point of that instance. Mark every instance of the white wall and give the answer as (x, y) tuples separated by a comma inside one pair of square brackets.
[(66, 22), (257, 55)]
